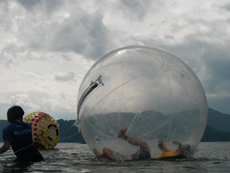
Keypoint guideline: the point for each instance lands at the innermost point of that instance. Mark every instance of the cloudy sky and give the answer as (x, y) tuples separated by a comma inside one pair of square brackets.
[(46, 47)]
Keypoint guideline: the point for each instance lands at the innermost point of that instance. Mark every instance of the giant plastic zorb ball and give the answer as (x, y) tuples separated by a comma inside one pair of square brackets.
[(45, 129), (148, 90)]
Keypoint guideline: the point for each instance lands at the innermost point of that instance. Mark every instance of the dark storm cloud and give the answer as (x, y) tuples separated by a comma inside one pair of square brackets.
[(48, 6), (5, 18), (169, 37), (227, 7), (64, 76), (219, 70), (79, 31), (86, 35), (29, 4), (135, 9), (215, 60)]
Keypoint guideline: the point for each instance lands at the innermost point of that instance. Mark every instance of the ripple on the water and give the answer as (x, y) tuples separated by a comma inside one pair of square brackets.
[(72, 157)]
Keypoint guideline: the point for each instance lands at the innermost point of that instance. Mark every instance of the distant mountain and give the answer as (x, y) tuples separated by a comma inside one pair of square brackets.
[(69, 132), (217, 129), (212, 135), (3, 123), (218, 121)]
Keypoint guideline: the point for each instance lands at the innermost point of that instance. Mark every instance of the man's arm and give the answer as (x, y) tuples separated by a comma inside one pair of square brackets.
[(5, 146), (176, 142), (181, 148), (161, 145)]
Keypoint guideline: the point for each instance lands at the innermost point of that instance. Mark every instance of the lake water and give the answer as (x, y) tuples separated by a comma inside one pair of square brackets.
[(73, 157)]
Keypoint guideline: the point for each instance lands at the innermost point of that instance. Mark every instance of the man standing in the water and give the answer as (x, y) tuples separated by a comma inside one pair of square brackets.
[(18, 135)]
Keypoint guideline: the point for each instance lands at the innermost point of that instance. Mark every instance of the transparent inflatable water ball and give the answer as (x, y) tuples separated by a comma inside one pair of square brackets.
[(45, 129), (148, 90)]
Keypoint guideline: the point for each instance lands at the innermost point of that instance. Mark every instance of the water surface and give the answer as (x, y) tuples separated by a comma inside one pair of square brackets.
[(74, 157)]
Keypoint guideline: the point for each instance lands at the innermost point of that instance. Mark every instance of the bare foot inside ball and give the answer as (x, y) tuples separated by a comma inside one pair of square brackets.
[(96, 153), (108, 155), (121, 134)]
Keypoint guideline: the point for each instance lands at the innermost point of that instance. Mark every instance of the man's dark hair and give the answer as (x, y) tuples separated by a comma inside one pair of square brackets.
[(14, 113)]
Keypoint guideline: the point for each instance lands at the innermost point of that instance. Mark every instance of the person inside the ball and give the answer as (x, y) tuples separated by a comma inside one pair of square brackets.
[(180, 152), (18, 135), (142, 154)]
